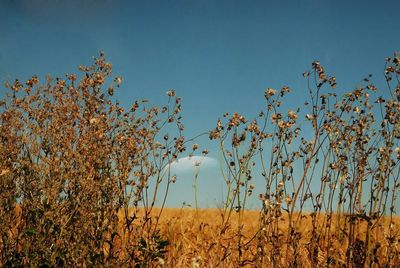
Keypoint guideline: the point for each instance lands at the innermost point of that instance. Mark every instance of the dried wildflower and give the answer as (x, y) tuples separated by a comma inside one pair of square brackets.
[(277, 116), (281, 124), (118, 80), (94, 121), (111, 90), (173, 179), (287, 163), (269, 92), (171, 93), (309, 116), (253, 127), (214, 134), (292, 115), (333, 166), (236, 120)]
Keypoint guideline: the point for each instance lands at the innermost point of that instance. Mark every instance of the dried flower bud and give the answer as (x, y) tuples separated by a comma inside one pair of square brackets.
[(94, 121), (292, 115), (118, 80), (269, 92), (171, 93), (111, 90)]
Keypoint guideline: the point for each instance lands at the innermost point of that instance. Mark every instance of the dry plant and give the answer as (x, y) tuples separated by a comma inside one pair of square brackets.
[(351, 153), (71, 159), (80, 177)]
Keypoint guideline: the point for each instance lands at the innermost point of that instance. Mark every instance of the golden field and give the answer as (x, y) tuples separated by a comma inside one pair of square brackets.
[(200, 238)]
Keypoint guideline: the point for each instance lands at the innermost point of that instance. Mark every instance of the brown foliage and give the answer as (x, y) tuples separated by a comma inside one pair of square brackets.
[(71, 159), (80, 176)]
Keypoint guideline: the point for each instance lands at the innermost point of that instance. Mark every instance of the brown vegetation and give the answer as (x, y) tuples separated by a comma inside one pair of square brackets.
[(80, 176)]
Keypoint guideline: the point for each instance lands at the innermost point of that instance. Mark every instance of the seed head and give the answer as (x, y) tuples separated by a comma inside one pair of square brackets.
[(118, 80), (269, 92), (292, 115), (173, 179), (195, 147), (171, 93)]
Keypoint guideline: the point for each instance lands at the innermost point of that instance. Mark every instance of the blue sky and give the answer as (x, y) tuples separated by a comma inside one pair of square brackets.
[(218, 55)]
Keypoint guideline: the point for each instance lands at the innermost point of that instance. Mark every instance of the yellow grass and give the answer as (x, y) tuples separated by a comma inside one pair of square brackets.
[(199, 239)]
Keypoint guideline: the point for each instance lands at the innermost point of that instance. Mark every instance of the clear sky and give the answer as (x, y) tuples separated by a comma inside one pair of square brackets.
[(218, 55)]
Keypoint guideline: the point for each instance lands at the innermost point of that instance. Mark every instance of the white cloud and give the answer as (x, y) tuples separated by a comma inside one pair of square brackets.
[(190, 163)]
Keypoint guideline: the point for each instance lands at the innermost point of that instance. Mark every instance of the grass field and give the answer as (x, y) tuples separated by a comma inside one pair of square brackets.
[(201, 238), (188, 237)]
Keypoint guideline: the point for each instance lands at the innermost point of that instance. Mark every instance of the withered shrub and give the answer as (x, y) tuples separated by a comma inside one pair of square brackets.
[(75, 169)]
